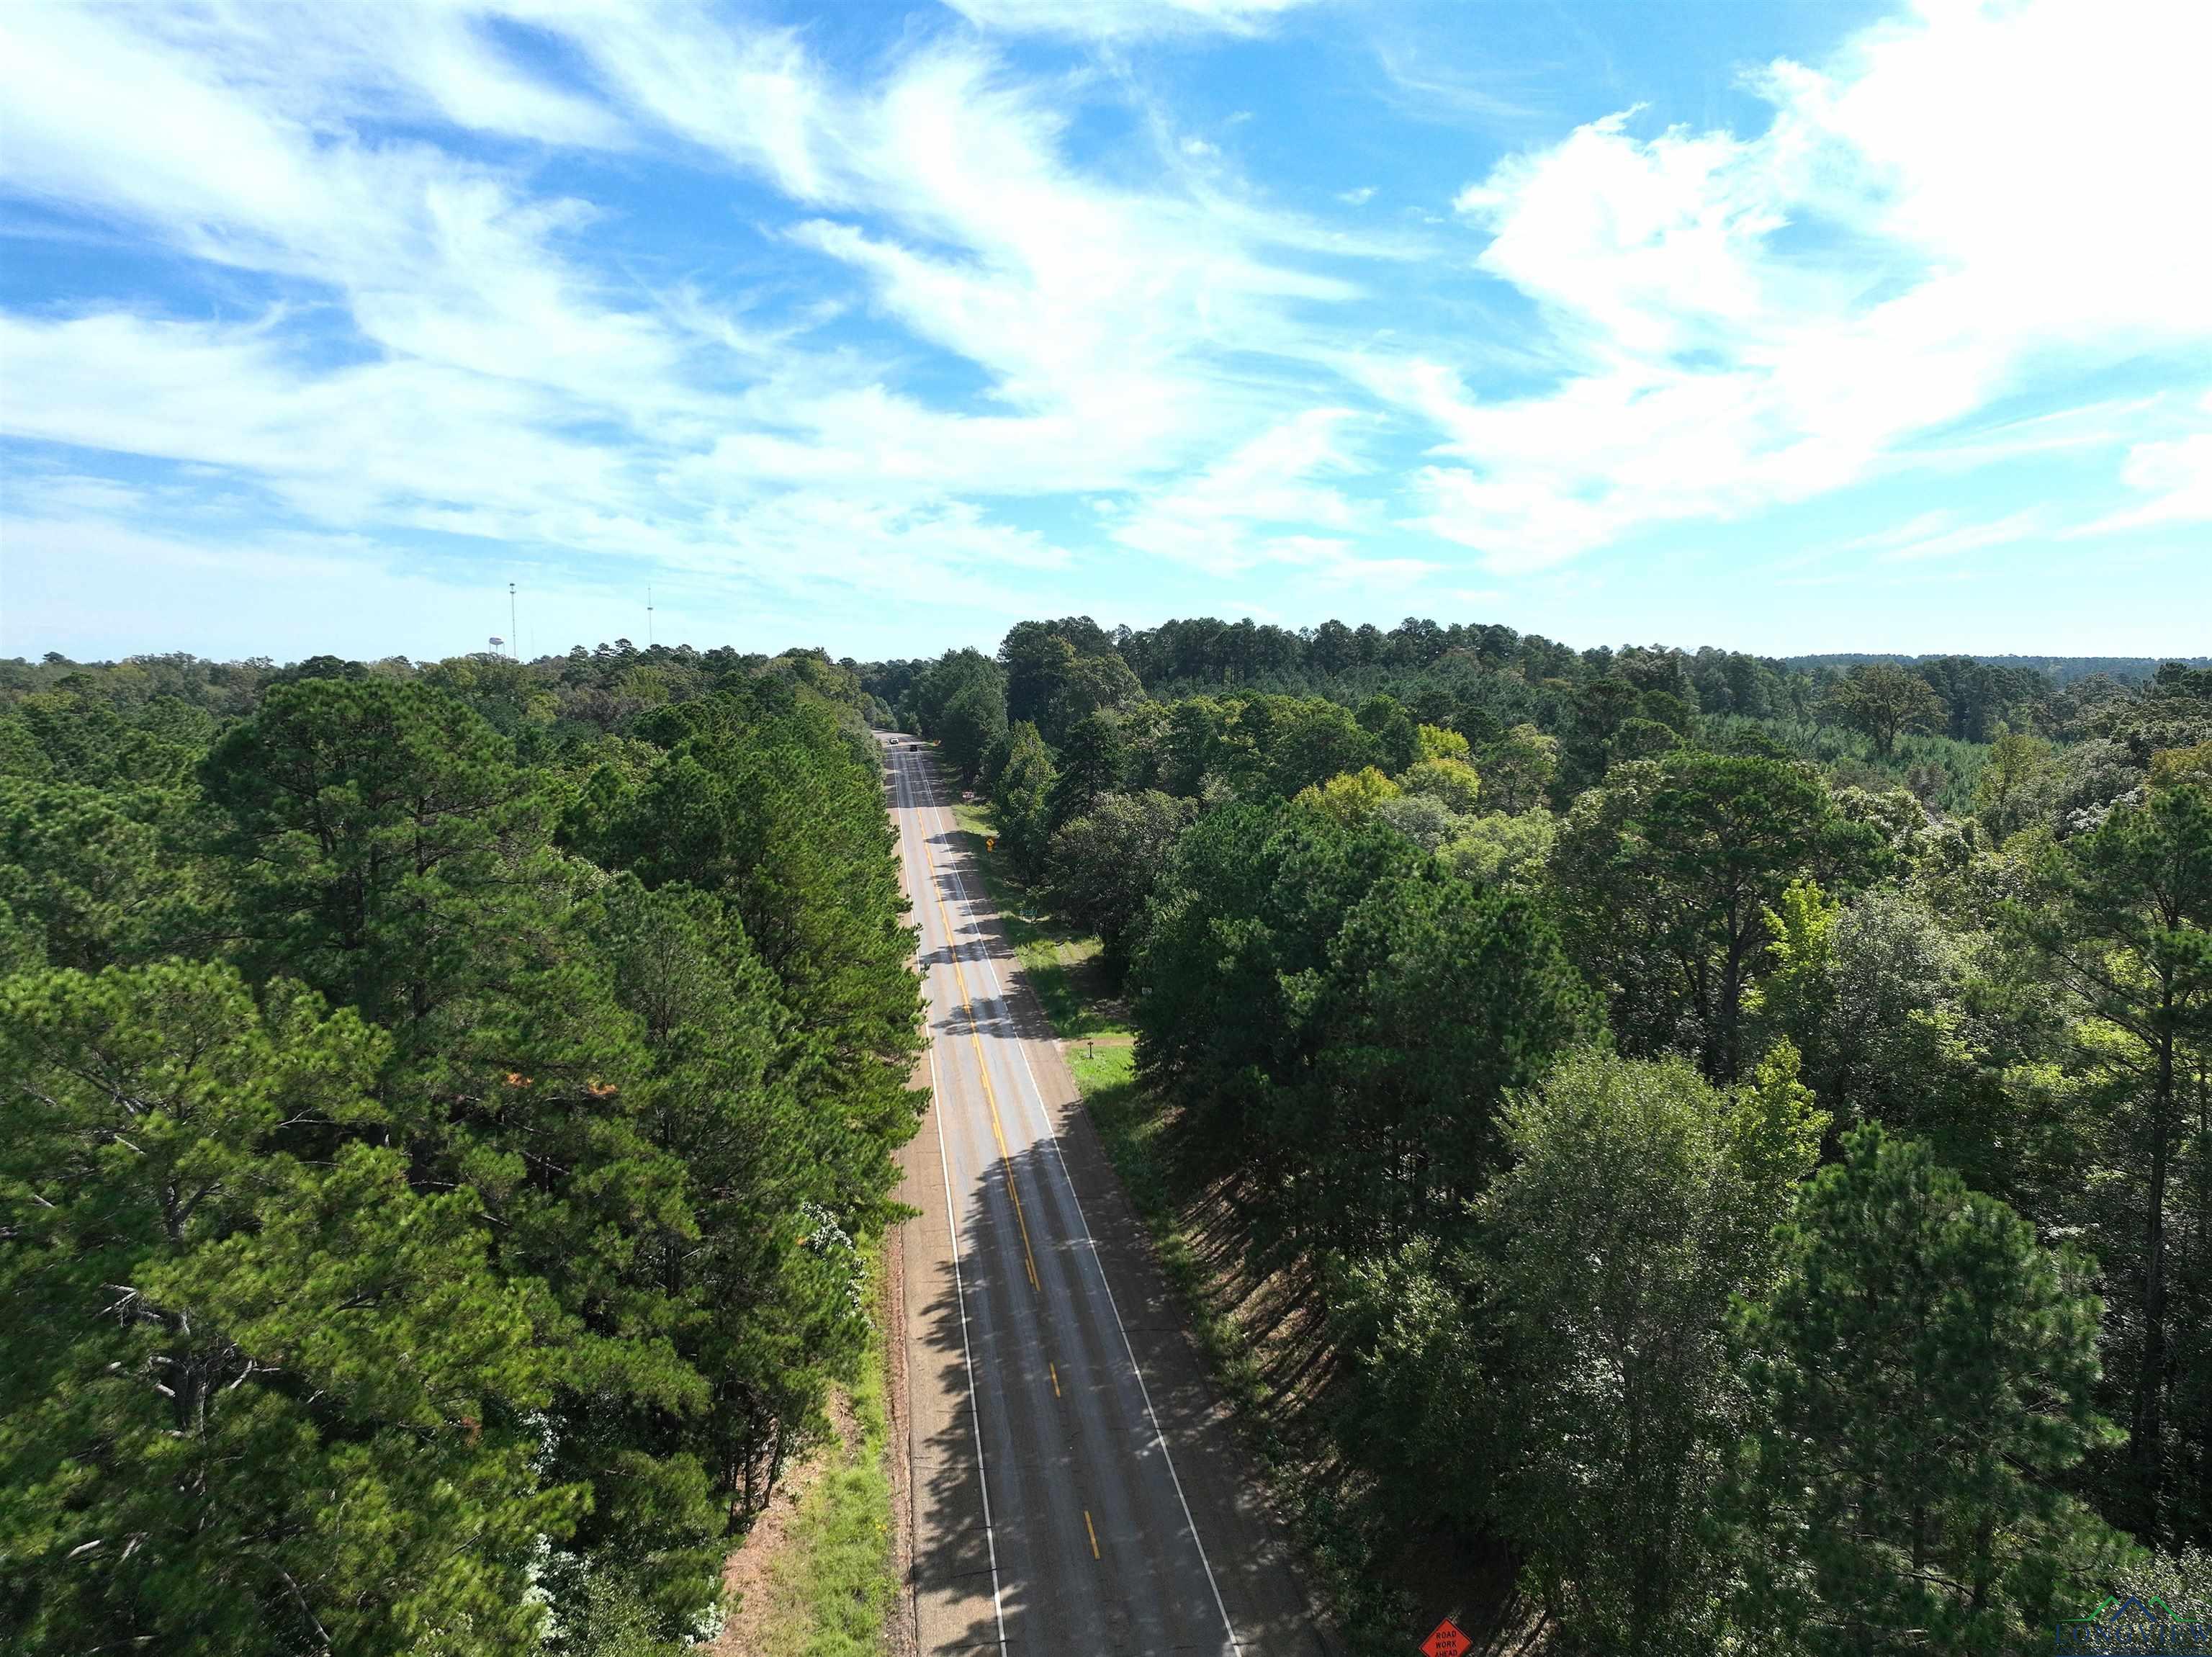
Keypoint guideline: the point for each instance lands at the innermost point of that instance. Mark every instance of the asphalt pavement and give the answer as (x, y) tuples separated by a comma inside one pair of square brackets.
[(1074, 1487)]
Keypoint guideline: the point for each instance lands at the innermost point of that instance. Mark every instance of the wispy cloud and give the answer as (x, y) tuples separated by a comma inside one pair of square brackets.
[(1943, 534), (1710, 366), (2175, 473), (500, 385), (1259, 504), (845, 313), (1123, 20)]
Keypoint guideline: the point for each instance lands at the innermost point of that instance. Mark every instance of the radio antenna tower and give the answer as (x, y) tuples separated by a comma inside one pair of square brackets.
[(513, 636), (648, 615)]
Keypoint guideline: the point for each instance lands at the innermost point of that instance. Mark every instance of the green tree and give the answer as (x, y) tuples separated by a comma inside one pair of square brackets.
[(2017, 785), (1882, 700), (74, 736), (1340, 1016), (1239, 925), (1059, 673), (1495, 849), (1641, 1201), (1602, 708), (1279, 744), (1094, 761), (2122, 928), (1421, 817), (1022, 796), (972, 726), (1194, 745), (1102, 866), (1437, 998), (506, 694), (1438, 743), (253, 1399), (1093, 684), (1350, 799), (386, 844), (1397, 740), (1664, 876), (1925, 1375), (960, 702), (781, 813), (1517, 769), (1876, 997), (382, 839), (98, 875), (1453, 783), (761, 1294)]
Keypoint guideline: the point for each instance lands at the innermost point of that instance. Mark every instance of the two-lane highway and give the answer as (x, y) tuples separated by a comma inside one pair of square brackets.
[(1073, 1488)]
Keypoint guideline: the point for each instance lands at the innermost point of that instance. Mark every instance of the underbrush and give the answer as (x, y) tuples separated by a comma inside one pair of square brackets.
[(834, 1590)]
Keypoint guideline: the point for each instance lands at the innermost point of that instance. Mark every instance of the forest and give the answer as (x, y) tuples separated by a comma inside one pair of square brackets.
[(448, 1109), (1743, 1125)]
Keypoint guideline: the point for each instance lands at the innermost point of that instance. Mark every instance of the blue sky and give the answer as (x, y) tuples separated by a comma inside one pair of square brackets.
[(1784, 327)]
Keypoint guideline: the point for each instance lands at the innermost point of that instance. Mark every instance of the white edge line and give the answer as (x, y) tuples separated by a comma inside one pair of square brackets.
[(960, 1298), (1067, 1178)]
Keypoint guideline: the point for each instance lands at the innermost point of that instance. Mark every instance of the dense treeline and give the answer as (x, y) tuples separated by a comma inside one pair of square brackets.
[(445, 1108), (1750, 1130), (1878, 721)]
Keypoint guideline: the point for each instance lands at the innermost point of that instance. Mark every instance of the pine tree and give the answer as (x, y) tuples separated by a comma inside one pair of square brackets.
[(1924, 1377), (252, 1402), (2123, 927), (1023, 797)]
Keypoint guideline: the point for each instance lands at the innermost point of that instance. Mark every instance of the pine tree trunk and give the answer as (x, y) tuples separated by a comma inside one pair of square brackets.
[(2150, 1376)]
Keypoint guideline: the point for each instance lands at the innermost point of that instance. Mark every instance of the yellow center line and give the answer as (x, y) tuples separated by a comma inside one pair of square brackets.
[(982, 1069), (1094, 1533), (1055, 1376)]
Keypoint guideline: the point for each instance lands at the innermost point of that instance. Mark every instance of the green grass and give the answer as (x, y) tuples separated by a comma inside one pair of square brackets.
[(1100, 1072), (835, 1589), (1131, 1126), (1059, 963)]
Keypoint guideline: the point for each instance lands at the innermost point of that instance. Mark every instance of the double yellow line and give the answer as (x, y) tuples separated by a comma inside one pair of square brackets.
[(982, 1069), (991, 1099)]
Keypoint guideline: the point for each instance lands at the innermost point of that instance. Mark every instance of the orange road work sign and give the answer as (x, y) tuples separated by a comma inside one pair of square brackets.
[(1447, 1641)]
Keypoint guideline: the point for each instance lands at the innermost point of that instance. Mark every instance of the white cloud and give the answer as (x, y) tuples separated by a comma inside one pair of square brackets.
[(921, 294), (1083, 301), (2175, 473), (1261, 503), (497, 384), (1943, 534), (354, 443), (1117, 19), (1742, 322), (231, 149)]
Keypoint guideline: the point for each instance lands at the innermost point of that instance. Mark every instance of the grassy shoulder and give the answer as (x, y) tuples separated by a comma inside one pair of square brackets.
[(833, 1590), (1131, 1125), (1060, 964)]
